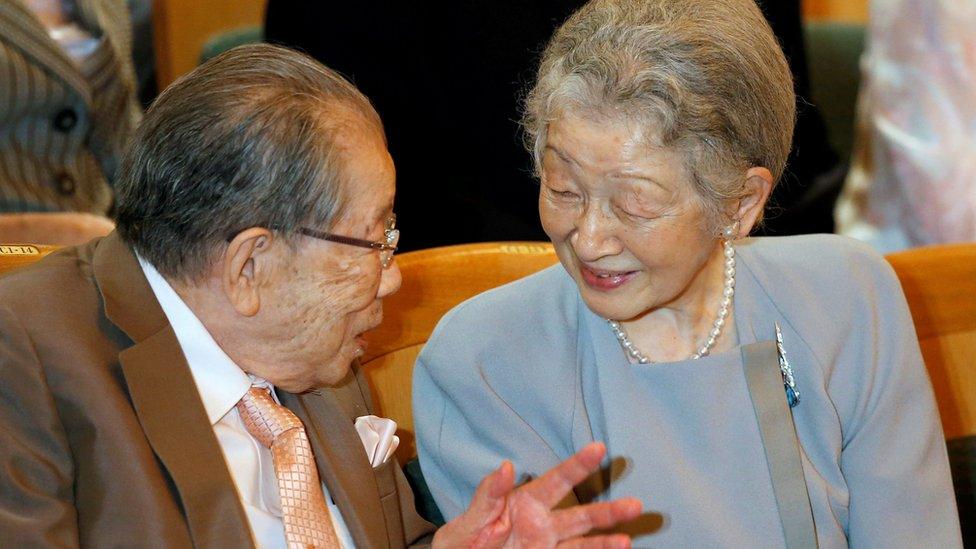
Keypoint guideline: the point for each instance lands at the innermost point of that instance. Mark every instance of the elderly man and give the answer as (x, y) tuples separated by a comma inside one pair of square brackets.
[(187, 381)]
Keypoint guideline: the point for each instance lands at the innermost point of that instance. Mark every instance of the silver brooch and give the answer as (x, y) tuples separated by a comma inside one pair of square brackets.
[(792, 394)]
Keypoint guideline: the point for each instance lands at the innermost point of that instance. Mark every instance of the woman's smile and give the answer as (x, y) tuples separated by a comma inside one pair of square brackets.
[(605, 280)]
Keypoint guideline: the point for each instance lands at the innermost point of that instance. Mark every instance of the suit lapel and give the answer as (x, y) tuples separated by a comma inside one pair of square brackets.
[(166, 401), (180, 433), (22, 30), (342, 461)]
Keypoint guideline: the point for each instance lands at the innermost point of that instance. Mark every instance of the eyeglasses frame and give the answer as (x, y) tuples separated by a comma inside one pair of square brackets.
[(389, 245)]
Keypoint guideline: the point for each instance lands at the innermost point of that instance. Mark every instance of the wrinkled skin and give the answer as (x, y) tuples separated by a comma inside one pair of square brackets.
[(619, 207), (501, 516)]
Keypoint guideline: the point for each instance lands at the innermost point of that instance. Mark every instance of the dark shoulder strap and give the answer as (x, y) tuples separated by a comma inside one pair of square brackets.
[(761, 363)]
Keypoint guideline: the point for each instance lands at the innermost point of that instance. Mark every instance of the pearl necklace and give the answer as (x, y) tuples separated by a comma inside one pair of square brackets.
[(728, 291)]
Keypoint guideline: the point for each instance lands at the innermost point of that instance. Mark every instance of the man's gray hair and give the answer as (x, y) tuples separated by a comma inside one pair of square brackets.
[(707, 76), (248, 139)]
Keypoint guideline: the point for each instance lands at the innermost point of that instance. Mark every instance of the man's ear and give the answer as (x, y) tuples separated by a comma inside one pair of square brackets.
[(246, 261), (748, 212)]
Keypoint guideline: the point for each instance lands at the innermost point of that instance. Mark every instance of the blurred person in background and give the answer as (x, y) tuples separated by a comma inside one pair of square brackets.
[(913, 180), (67, 106)]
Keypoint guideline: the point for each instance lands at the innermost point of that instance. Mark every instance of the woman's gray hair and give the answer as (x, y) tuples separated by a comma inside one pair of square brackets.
[(707, 76), (248, 139)]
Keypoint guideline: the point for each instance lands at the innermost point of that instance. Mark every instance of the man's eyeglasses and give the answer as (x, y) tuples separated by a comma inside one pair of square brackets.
[(386, 247)]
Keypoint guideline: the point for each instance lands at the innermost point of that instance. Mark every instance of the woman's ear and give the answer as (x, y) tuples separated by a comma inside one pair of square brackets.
[(748, 212), (246, 261)]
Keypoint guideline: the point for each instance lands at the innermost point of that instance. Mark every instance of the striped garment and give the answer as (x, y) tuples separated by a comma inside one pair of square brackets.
[(63, 126)]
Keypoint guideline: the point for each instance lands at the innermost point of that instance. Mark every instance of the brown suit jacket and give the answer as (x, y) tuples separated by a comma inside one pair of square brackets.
[(104, 439)]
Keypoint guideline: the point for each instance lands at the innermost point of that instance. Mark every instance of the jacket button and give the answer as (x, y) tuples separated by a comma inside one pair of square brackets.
[(66, 184), (65, 120)]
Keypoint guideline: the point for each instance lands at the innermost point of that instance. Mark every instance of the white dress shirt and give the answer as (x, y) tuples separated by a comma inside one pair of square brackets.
[(221, 384)]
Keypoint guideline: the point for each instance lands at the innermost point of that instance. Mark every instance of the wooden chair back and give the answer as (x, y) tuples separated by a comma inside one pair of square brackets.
[(940, 285), (434, 281), (13, 256)]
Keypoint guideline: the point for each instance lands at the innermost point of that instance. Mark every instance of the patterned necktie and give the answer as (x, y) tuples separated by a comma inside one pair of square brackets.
[(304, 511)]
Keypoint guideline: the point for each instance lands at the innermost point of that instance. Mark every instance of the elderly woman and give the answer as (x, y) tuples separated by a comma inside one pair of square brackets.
[(659, 128)]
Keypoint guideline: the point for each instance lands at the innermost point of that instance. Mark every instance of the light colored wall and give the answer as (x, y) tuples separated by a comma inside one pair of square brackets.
[(181, 27)]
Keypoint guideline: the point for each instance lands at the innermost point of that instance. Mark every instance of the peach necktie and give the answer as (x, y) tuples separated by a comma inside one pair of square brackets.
[(304, 511)]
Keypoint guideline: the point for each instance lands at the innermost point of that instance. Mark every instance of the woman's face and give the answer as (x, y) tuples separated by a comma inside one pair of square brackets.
[(623, 217)]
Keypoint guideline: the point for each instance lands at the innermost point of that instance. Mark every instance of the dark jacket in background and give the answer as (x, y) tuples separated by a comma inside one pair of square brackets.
[(447, 78), (803, 202)]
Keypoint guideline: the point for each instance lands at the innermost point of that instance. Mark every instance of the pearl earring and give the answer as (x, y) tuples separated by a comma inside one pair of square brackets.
[(731, 231)]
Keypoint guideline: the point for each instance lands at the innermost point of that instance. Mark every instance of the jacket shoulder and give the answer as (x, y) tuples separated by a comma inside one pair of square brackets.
[(46, 282), (528, 306), (836, 293), (812, 250), (831, 264)]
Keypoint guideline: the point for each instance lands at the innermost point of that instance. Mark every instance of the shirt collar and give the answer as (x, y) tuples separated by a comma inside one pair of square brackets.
[(219, 380)]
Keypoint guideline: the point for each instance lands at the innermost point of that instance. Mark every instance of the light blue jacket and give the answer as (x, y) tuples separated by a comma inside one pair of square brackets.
[(527, 372)]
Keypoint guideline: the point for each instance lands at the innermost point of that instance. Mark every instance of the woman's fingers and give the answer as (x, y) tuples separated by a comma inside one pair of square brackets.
[(496, 513), (579, 520), (552, 487), (489, 498), (479, 525), (616, 541)]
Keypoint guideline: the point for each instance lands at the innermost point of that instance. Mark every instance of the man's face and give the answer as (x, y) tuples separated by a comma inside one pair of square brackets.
[(324, 295)]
